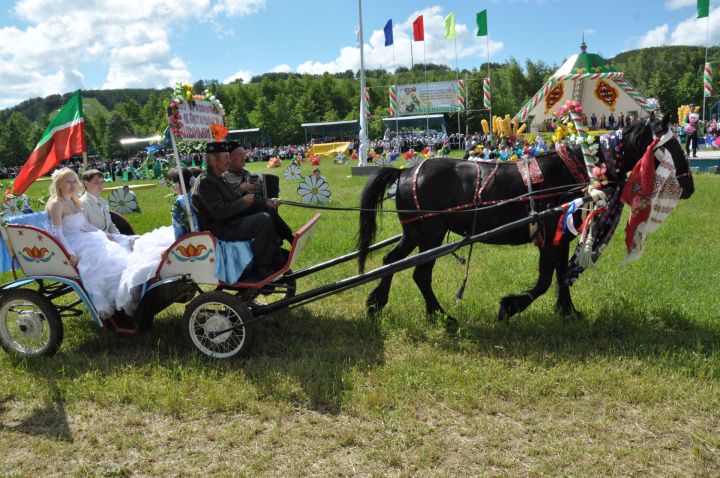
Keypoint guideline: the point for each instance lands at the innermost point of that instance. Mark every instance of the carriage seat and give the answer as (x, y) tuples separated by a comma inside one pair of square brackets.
[(27, 237)]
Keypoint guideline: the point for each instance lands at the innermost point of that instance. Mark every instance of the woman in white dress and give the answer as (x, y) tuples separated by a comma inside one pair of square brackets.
[(99, 260)]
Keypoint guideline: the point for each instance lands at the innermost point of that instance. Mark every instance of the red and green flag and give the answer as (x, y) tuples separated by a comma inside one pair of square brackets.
[(703, 8), (63, 138)]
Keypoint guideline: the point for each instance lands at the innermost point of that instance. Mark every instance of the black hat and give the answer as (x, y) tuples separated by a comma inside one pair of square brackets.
[(232, 146), (216, 147)]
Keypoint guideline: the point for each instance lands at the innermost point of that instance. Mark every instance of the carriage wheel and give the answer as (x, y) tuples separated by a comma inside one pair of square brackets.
[(278, 290), (217, 311), (29, 324)]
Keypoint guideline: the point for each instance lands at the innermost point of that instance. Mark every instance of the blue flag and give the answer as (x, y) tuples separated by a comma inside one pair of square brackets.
[(388, 33)]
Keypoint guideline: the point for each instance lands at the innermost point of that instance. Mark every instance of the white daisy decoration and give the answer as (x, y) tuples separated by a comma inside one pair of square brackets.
[(123, 203), (314, 190), (392, 189), (414, 161), (383, 161), (12, 206), (293, 173)]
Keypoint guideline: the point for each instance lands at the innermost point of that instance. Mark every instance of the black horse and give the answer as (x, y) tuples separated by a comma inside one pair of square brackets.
[(457, 186)]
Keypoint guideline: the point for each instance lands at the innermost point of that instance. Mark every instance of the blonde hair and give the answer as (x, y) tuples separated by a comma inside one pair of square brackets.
[(63, 175)]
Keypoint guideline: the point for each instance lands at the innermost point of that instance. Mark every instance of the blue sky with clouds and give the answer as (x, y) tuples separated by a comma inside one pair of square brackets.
[(55, 46)]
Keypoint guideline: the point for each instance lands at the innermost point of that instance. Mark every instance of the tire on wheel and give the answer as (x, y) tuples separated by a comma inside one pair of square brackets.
[(30, 324), (214, 312)]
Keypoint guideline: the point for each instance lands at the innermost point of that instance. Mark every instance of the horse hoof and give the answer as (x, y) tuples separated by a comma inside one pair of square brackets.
[(451, 324), (505, 311)]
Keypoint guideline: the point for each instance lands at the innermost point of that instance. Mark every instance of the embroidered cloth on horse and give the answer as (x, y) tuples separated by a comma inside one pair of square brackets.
[(530, 169), (652, 193)]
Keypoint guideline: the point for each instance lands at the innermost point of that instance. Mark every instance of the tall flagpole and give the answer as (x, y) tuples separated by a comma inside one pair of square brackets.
[(707, 41), (457, 79), (427, 93), (363, 118), (487, 46), (397, 127)]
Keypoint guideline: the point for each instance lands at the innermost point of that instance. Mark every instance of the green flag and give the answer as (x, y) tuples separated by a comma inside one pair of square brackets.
[(450, 27), (482, 23), (703, 8)]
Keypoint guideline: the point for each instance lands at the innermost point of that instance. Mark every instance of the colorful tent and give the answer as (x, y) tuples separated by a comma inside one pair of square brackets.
[(588, 78)]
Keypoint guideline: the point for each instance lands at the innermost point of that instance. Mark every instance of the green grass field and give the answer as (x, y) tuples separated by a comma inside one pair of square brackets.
[(630, 389)]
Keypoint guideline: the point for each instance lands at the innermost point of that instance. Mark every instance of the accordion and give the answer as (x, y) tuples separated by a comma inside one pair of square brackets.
[(257, 180)]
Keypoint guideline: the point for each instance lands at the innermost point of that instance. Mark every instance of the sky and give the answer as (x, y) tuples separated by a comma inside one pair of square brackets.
[(55, 46)]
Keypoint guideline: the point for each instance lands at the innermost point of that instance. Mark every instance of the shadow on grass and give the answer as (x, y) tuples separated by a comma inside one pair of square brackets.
[(315, 352), (49, 420), (622, 329)]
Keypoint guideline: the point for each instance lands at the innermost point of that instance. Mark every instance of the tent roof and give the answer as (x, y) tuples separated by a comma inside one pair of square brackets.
[(584, 62), (412, 118), (331, 123), (248, 130)]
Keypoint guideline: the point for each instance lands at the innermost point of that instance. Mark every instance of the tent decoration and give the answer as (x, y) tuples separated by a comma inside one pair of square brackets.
[(589, 79)]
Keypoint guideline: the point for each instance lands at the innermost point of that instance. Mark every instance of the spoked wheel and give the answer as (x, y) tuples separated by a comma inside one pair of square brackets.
[(216, 324), (278, 290), (29, 324)]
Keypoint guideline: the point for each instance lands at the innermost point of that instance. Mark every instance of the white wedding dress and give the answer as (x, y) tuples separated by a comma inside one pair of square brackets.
[(101, 261), (142, 263)]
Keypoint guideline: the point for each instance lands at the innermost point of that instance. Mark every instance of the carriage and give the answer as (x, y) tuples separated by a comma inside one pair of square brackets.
[(48, 289)]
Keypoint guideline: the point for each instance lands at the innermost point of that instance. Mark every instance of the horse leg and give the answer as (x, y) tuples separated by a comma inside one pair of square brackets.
[(564, 304), (422, 275), (378, 298), (513, 304)]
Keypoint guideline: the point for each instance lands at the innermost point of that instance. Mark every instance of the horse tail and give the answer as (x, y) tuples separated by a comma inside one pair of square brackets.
[(372, 195)]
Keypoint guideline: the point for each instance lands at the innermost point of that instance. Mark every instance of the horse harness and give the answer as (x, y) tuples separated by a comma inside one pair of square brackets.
[(570, 163)]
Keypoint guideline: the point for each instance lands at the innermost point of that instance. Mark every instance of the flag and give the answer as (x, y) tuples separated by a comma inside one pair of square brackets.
[(419, 29), (450, 27), (703, 8), (388, 33), (707, 79), (482, 23), (64, 137)]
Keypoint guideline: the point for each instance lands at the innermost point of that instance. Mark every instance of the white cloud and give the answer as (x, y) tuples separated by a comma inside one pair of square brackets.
[(692, 31), (131, 37), (244, 75), (238, 7), (678, 4), (282, 69), (437, 48), (655, 37)]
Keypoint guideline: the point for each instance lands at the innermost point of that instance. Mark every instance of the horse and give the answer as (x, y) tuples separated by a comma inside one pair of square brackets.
[(442, 195)]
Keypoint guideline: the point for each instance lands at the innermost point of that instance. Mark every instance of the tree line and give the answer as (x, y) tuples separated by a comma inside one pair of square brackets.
[(279, 102)]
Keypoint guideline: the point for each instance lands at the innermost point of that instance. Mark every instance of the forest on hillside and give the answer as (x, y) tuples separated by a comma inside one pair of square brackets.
[(279, 102)]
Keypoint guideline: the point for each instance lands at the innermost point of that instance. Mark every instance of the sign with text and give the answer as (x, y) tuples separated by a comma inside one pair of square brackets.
[(425, 98), (196, 120)]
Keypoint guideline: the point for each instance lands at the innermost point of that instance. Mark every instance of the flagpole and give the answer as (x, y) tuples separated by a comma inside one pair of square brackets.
[(427, 93), (487, 46), (397, 125), (707, 41), (457, 79), (188, 211), (363, 118), (412, 63)]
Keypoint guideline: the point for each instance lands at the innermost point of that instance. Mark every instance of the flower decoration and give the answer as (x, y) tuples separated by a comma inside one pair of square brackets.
[(123, 203), (383, 161), (315, 160), (293, 173), (15, 205), (599, 178), (314, 190), (219, 132), (413, 160), (392, 189)]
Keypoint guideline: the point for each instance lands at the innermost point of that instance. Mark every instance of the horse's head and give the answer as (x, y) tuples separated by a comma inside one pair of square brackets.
[(638, 136)]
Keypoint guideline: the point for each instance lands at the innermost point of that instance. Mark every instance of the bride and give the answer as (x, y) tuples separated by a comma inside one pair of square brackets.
[(99, 259)]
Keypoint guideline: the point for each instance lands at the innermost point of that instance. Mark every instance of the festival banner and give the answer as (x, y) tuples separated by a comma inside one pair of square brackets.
[(425, 98), (196, 121)]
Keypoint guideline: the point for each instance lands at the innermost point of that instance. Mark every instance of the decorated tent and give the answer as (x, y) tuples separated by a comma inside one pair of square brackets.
[(588, 78)]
